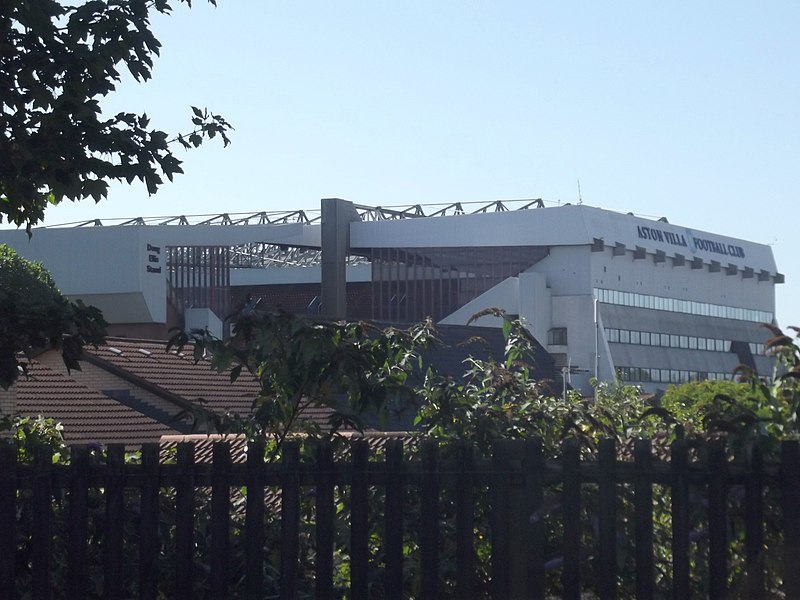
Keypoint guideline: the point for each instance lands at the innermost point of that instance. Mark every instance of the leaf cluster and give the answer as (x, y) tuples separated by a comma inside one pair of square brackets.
[(35, 316), (351, 369), (58, 60), (497, 399), (751, 410)]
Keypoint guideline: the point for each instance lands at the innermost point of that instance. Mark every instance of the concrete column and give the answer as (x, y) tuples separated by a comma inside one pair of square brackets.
[(337, 214)]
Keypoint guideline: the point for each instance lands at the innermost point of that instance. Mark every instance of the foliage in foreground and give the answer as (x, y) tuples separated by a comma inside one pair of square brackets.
[(353, 369), (495, 400), (35, 316), (61, 59)]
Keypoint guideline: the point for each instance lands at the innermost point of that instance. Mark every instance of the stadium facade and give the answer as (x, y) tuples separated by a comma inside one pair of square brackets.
[(605, 293)]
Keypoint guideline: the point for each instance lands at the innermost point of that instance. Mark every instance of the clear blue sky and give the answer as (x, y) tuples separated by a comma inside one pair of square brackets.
[(684, 110)]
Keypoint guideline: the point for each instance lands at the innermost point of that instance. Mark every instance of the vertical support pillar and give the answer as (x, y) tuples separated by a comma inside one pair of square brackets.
[(337, 214)]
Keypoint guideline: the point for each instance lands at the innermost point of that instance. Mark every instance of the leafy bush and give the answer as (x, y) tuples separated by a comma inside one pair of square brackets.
[(34, 316)]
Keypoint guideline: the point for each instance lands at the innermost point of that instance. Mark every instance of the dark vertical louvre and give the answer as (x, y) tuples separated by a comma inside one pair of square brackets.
[(717, 522), (254, 522), (77, 540), (754, 525), (148, 524), (465, 521), (429, 521), (440, 285), (394, 519), (290, 519), (372, 284), (414, 289), (790, 505), (643, 520), (499, 519), (406, 289), (325, 522), (571, 575), (41, 536), (449, 290), (607, 505), (184, 522), (381, 278), (680, 519), (359, 525), (220, 519), (8, 513), (423, 295), (534, 493)]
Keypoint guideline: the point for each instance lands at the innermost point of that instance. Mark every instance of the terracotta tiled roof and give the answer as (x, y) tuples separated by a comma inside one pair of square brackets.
[(86, 414), (176, 374)]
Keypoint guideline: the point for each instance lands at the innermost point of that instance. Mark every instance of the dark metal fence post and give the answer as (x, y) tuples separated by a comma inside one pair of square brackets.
[(680, 519), (290, 519), (8, 514), (115, 516), (717, 521), (643, 520), (607, 506), (394, 519), (77, 543), (359, 522), (754, 525), (571, 503), (254, 522), (42, 535), (501, 484), (533, 466), (465, 520), (184, 523), (220, 519), (429, 521), (790, 505), (325, 522), (148, 524)]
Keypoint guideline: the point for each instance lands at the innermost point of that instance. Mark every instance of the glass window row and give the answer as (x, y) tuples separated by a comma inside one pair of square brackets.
[(682, 306), (668, 340), (648, 375)]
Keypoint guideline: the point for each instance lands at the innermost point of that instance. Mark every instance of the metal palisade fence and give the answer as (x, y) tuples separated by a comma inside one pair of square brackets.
[(420, 520)]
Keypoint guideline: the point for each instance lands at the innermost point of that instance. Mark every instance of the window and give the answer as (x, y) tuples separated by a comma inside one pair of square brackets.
[(557, 336), (635, 337), (682, 306), (646, 338)]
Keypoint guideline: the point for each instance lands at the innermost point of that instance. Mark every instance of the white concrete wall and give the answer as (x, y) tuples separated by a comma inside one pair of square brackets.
[(535, 305), (204, 318), (576, 313), (567, 270), (504, 295)]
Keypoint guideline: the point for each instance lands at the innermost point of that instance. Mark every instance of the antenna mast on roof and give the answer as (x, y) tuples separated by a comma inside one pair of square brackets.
[(580, 199)]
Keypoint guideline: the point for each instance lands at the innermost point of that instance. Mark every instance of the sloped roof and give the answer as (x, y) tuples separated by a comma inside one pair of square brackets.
[(87, 415), (173, 375)]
